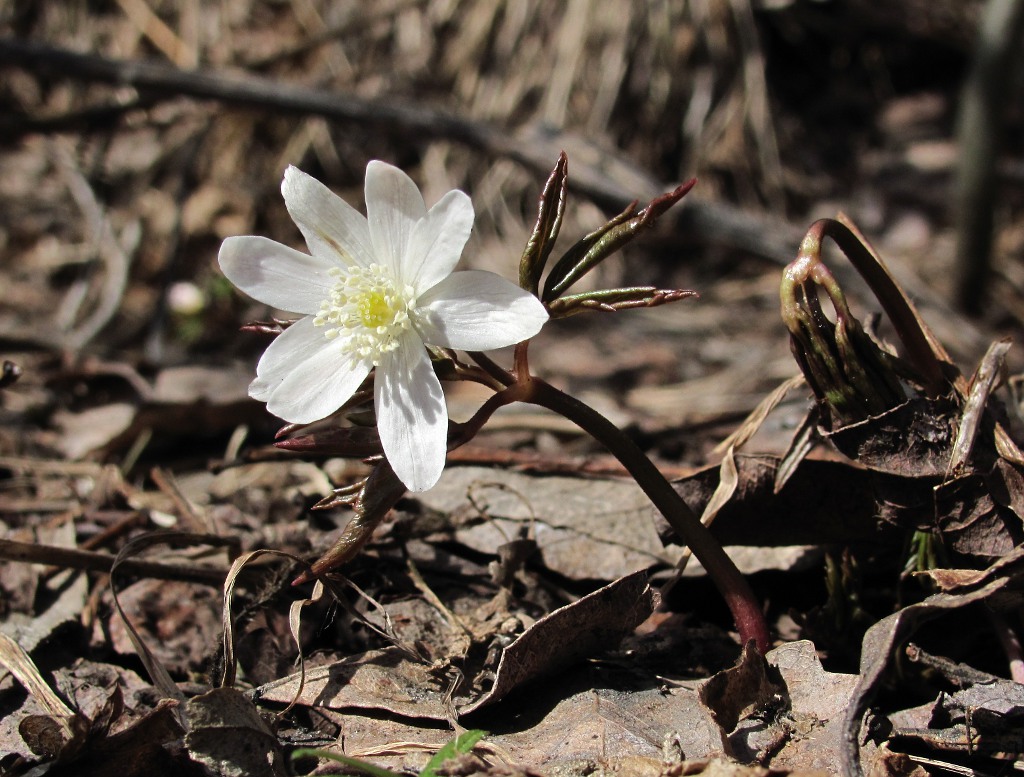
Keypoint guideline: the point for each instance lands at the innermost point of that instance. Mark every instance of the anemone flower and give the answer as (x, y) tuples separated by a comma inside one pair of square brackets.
[(374, 291)]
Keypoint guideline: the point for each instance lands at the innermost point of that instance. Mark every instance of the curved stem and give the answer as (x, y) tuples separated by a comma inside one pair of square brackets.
[(488, 365), (743, 605), (521, 362), (920, 348), (523, 387), (461, 433)]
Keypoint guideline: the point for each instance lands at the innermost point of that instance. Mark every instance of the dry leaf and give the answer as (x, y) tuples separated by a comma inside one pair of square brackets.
[(227, 734)]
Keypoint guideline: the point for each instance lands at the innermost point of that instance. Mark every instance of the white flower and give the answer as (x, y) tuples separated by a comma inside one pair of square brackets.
[(373, 291)]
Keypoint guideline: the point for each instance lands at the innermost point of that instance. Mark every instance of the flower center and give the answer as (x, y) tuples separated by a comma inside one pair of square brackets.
[(375, 310), (368, 309)]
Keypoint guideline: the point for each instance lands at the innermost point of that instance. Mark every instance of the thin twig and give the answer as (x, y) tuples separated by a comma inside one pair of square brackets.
[(94, 561)]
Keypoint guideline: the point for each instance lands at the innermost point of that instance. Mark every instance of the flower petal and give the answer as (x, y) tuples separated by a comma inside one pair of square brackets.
[(293, 346), (411, 415), (305, 377), (393, 206), (275, 274), (437, 241), (476, 310), (334, 230)]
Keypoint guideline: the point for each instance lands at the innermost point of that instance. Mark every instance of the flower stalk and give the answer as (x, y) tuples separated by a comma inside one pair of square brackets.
[(370, 503), (743, 604)]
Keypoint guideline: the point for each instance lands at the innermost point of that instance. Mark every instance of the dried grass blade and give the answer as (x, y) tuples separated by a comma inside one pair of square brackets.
[(228, 678), (984, 383), (159, 34), (295, 626), (16, 661), (157, 671), (752, 423), (797, 451)]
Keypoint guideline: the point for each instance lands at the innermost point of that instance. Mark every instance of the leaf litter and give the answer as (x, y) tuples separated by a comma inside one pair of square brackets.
[(514, 598)]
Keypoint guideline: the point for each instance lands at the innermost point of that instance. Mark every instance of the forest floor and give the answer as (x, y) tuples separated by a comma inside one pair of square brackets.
[(151, 530)]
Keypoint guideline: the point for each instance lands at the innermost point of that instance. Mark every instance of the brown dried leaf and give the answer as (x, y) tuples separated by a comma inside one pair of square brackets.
[(227, 734), (972, 522), (981, 719), (375, 680), (609, 724), (833, 501), (105, 734), (876, 651), (782, 709), (582, 723), (914, 439), (387, 679), (822, 502), (585, 529), (1008, 568), (736, 693), (817, 706), (591, 625)]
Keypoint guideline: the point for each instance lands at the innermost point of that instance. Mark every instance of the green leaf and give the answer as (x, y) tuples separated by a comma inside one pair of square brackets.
[(462, 744), (549, 221), (582, 257), (611, 300), (361, 766), (593, 249)]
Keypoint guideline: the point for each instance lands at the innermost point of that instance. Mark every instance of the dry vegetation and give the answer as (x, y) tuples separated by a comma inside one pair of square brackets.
[(130, 415)]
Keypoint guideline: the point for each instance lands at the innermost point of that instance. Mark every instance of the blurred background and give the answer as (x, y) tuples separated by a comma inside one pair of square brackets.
[(118, 183)]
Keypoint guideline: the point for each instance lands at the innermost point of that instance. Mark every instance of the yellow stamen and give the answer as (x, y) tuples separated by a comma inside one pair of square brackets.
[(368, 309)]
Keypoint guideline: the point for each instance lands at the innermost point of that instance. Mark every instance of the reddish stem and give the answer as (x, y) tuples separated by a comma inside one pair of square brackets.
[(739, 597)]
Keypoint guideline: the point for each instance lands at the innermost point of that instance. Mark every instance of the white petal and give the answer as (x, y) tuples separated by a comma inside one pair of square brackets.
[(275, 274), (334, 230), (393, 206), (293, 346), (476, 310), (411, 415), (437, 241), (305, 380)]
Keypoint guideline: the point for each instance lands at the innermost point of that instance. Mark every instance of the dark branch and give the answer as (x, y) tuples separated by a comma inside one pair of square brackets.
[(716, 223)]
